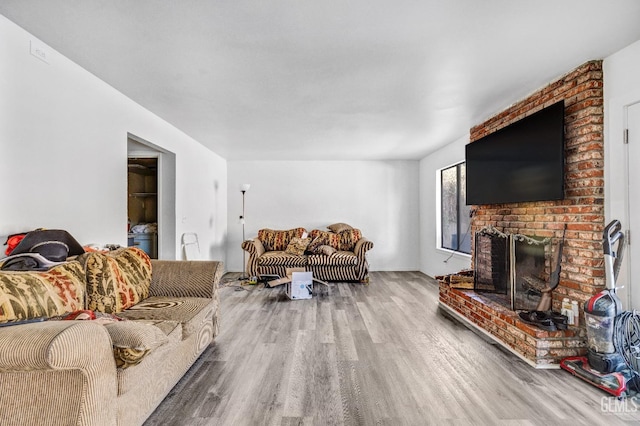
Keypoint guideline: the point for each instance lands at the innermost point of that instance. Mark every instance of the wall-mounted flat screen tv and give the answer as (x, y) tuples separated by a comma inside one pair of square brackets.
[(521, 162)]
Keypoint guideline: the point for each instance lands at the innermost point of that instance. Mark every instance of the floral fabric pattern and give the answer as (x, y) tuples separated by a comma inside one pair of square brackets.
[(34, 294), (297, 246), (116, 280), (323, 238), (348, 239), (276, 240)]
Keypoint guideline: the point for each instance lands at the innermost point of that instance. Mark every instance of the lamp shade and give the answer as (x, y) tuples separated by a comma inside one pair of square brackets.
[(245, 187)]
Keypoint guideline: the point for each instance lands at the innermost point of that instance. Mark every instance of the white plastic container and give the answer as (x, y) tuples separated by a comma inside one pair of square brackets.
[(567, 310), (576, 312)]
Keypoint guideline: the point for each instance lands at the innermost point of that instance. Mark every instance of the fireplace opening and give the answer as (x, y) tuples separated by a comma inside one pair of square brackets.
[(491, 267), (511, 269)]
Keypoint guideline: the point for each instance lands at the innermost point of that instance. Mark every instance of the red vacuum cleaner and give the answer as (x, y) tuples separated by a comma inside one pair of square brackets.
[(604, 366)]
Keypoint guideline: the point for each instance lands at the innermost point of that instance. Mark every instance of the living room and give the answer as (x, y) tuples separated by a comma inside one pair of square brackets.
[(66, 134)]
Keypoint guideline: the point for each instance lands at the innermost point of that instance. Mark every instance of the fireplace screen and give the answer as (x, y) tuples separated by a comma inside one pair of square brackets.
[(511, 269), (491, 269), (530, 272)]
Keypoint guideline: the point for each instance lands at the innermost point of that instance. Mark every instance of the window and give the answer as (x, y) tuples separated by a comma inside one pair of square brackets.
[(455, 219)]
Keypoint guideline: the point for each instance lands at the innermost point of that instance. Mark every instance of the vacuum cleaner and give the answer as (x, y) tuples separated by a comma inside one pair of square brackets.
[(604, 366)]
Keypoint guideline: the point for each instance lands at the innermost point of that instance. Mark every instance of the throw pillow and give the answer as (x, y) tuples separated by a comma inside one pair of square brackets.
[(297, 246), (323, 238), (277, 240), (348, 239), (133, 340), (339, 227), (326, 250), (26, 294), (116, 280)]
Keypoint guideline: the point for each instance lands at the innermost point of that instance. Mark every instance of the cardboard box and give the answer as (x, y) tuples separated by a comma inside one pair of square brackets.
[(300, 286), (287, 279), (306, 279)]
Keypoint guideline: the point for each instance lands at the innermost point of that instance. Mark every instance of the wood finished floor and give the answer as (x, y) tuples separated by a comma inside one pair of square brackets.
[(368, 355)]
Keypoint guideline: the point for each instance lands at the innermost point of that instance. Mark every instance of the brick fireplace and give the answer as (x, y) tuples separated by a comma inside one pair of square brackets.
[(582, 210)]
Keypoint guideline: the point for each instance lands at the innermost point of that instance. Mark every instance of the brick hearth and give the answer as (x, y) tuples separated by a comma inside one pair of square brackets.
[(539, 348), (582, 210)]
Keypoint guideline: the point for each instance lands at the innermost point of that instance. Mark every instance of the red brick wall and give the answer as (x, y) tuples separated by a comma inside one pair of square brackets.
[(583, 207)]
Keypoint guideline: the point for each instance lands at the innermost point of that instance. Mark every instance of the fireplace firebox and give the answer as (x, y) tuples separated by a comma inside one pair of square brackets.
[(511, 269)]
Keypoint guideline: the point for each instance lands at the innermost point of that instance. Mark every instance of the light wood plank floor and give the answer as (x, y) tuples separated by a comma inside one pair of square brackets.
[(365, 355)]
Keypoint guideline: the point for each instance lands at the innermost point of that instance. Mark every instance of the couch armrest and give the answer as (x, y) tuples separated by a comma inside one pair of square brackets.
[(181, 278), (60, 368), (362, 246), (255, 248), (52, 344)]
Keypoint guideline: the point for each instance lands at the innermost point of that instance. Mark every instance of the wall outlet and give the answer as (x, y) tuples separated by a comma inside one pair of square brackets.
[(40, 51)]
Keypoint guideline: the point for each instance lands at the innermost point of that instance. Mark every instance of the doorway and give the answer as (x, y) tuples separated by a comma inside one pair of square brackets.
[(151, 176), (142, 204)]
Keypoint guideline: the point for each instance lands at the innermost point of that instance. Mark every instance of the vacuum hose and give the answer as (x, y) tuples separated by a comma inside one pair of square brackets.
[(626, 340)]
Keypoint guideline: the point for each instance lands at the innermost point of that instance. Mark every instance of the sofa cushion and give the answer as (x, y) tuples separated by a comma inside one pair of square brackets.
[(279, 258), (133, 340), (171, 329), (323, 238), (278, 240), (339, 227), (190, 312), (348, 239), (33, 294), (116, 280), (297, 246), (340, 258)]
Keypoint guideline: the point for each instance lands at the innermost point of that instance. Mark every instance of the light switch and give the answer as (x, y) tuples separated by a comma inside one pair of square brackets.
[(40, 51)]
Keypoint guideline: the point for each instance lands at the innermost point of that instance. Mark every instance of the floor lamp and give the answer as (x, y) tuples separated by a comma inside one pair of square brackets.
[(243, 188)]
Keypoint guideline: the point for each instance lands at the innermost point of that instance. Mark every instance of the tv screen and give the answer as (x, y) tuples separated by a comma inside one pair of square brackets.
[(521, 162)]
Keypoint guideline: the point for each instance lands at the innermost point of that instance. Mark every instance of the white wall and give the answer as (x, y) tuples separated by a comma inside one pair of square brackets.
[(378, 197), (621, 88), (63, 151), (435, 261)]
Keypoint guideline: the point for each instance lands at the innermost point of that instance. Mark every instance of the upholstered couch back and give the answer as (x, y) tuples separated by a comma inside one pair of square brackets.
[(108, 282)]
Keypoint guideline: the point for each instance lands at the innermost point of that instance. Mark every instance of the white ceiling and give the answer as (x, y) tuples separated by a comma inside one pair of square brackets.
[(328, 79)]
